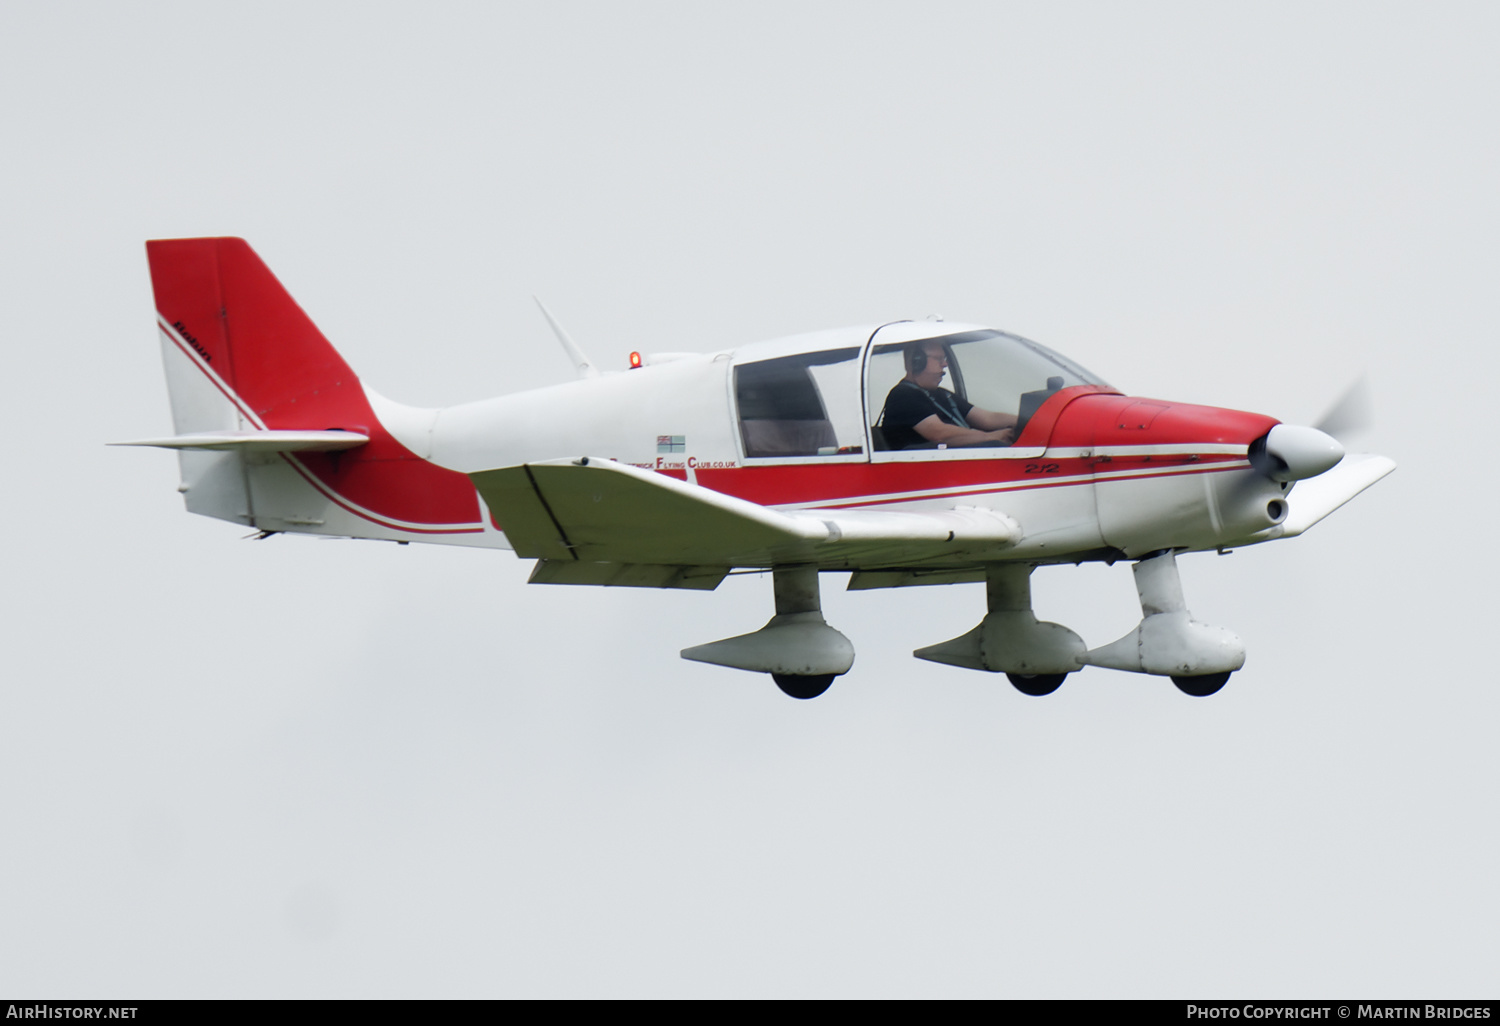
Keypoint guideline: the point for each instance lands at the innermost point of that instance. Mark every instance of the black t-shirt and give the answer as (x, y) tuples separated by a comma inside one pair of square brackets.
[(908, 404)]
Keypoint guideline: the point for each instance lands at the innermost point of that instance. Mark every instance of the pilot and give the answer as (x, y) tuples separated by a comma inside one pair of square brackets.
[(918, 410)]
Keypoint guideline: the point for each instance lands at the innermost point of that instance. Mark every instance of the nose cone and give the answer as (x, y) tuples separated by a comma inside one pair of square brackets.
[(1300, 452)]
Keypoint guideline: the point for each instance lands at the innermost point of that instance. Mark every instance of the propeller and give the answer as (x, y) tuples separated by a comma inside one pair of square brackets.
[(1290, 452), (1352, 414)]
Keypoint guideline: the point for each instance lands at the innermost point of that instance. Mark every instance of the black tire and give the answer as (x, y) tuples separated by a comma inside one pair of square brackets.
[(1037, 684), (803, 686), (1202, 686)]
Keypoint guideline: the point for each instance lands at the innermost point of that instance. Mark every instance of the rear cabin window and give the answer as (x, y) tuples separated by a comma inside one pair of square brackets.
[(803, 405)]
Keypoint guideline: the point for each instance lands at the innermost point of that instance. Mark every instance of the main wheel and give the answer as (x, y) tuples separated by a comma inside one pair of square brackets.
[(803, 686), (1202, 686), (1037, 684)]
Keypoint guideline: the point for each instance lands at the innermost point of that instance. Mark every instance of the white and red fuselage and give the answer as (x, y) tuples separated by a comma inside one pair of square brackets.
[(770, 455), (1093, 471)]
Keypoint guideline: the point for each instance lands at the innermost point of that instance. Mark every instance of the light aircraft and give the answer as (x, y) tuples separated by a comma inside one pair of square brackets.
[(780, 456)]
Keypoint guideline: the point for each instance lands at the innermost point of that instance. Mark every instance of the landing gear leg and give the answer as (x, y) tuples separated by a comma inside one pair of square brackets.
[(1169, 642), (1034, 654), (797, 647)]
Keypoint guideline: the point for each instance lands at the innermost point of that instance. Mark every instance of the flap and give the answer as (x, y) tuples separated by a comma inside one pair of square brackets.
[(863, 580), (627, 575)]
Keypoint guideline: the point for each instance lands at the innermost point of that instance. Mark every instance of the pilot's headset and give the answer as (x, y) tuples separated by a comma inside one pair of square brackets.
[(916, 356)]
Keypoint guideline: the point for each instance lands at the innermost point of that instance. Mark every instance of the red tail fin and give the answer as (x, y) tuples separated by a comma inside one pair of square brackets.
[(229, 316), (228, 306)]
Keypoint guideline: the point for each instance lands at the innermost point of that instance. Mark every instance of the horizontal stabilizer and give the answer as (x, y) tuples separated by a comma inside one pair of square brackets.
[(598, 511), (259, 441)]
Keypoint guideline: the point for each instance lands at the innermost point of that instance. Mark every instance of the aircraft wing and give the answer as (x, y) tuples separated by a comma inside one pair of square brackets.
[(595, 511)]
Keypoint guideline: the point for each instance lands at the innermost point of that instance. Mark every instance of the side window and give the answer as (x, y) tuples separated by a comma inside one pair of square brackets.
[(804, 405)]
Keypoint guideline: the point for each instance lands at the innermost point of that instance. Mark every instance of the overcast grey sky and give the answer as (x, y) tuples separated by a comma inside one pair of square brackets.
[(315, 768)]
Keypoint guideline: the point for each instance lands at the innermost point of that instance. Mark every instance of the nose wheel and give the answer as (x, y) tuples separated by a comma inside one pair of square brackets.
[(799, 685), (1168, 642)]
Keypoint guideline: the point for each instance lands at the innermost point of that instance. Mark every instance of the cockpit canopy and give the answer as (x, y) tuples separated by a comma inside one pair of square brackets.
[(828, 402)]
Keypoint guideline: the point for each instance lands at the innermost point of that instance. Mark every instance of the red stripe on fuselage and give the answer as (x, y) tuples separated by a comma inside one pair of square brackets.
[(867, 484), (334, 497)]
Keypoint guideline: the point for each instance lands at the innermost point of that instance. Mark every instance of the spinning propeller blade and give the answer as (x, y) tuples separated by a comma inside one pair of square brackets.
[(1290, 452), (1352, 414)]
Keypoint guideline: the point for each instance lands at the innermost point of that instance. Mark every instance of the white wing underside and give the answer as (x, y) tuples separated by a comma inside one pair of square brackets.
[(594, 521)]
